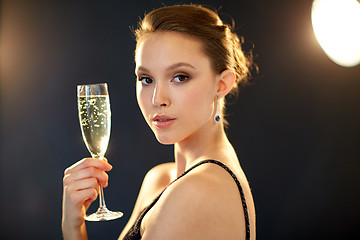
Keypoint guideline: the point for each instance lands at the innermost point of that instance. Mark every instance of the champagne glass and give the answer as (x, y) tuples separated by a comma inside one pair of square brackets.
[(95, 122)]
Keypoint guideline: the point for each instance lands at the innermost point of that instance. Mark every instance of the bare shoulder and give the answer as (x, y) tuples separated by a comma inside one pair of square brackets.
[(161, 174), (155, 181), (206, 203)]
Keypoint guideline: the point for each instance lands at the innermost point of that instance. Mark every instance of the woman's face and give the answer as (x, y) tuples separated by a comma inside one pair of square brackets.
[(176, 87)]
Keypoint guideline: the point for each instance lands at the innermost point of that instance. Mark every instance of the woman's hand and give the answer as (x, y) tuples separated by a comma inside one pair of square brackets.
[(81, 187)]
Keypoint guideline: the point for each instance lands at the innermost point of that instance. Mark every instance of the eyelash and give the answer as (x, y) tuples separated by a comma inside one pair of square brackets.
[(142, 79), (182, 78)]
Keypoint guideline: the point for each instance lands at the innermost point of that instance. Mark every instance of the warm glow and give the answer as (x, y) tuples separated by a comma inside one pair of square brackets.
[(336, 25)]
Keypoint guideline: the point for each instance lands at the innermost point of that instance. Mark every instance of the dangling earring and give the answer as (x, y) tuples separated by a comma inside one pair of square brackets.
[(217, 117)]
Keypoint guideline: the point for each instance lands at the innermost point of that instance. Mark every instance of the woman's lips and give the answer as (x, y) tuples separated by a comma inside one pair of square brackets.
[(163, 121)]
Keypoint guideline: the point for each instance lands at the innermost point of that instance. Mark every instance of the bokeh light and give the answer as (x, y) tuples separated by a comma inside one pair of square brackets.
[(336, 24)]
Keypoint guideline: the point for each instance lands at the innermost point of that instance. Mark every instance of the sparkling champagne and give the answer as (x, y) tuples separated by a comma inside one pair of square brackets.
[(95, 121)]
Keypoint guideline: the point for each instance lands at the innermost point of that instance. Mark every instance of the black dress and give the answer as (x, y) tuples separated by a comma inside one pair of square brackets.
[(134, 232)]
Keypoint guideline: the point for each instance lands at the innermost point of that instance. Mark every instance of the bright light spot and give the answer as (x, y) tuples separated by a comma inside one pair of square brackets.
[(336, 25)]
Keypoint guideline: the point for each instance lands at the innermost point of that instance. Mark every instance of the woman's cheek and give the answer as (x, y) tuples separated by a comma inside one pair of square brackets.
[(143, 101), (198, 104)]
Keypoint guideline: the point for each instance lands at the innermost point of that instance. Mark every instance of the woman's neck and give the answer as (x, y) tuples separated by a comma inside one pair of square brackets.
[(209, 143)]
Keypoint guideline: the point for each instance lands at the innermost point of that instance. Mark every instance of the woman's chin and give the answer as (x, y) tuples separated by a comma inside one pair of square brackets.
[(165, 140)]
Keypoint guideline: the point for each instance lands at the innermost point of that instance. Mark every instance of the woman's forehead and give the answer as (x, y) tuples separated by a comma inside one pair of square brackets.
[(169, 47)]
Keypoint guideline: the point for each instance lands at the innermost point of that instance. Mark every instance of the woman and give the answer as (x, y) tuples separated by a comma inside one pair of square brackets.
[(187, 62)]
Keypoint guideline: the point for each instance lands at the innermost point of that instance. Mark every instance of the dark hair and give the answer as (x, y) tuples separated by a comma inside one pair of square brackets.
[(220, 43)]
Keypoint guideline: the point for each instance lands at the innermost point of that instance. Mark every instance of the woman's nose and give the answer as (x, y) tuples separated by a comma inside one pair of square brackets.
[(160, 96)]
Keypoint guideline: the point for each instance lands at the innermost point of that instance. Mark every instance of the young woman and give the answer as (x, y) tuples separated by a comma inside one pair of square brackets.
[(187, 62)]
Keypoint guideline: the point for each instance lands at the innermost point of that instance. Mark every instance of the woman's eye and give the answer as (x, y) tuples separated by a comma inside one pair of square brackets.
[(145, 80), (180, 78)]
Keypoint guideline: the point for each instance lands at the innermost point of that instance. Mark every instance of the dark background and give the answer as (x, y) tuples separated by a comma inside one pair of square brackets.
[(296, 129)]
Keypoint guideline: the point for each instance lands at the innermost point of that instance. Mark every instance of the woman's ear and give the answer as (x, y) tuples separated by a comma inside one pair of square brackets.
[(225, 83)]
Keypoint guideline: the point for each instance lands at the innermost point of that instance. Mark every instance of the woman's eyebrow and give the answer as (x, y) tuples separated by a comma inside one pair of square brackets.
[(180, 64), (141, 69), (171, 67)]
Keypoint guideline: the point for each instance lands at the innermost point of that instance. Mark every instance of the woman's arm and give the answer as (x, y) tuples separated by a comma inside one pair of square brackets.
[(80, 188)]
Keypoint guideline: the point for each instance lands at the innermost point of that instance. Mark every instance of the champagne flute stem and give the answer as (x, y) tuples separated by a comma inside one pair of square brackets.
[(101, 198), (102, 205)]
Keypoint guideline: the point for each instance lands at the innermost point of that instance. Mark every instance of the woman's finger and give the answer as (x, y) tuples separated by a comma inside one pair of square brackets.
[(83, 190), (89, 162), (85, 173)]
